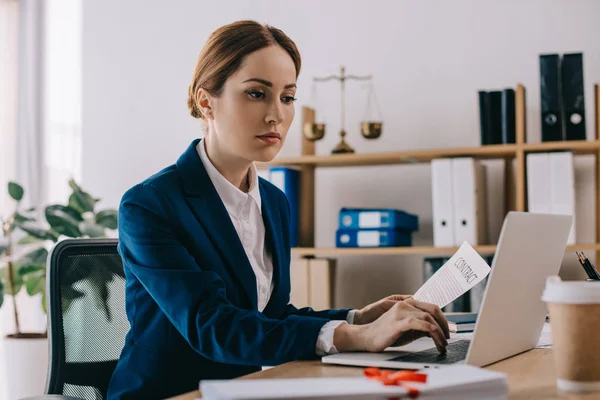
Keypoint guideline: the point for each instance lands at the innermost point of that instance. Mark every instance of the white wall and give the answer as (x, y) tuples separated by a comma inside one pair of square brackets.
[(428, 58)]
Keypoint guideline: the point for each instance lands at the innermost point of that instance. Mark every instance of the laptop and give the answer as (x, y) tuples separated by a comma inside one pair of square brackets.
[(512, 315)]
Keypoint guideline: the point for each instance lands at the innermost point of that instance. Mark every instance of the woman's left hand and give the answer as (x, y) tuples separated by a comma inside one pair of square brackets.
[(373, 311)]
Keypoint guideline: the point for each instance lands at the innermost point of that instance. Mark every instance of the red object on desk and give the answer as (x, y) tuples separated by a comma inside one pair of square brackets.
[(397, 378)]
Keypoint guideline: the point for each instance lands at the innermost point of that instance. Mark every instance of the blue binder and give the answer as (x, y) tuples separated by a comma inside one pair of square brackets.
[(288, 181), (376, 218), (372, 238)]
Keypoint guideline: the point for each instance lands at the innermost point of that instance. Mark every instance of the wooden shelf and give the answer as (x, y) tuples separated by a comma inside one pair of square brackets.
[(576, 146), (410, 251), (396, 157), (419, 156)]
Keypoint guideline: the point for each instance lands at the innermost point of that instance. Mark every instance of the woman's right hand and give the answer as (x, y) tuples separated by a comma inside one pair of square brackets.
[(405, 322)]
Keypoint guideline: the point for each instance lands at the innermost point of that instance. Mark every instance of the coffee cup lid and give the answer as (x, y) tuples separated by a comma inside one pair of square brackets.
[(571, 292)]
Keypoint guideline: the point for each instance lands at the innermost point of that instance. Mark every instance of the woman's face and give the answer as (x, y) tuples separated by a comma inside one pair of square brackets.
[(252, 116)]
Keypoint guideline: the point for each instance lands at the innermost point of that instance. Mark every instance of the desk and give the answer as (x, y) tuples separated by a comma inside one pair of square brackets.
[(531, 375)]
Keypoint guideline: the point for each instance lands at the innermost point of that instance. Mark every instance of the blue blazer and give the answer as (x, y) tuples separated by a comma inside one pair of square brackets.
[(191, 292)]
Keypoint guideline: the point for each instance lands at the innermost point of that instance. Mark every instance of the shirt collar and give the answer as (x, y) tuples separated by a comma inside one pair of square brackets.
[(233, 198)]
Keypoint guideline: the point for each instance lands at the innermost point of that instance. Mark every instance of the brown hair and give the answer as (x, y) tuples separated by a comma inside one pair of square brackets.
[(224, 52)]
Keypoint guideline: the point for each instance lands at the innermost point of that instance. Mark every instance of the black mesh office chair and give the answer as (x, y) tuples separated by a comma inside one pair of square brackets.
[(87, 320)]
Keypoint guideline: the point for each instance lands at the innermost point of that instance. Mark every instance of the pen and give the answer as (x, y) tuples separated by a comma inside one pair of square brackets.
[(584, 265), (585, 268), (589, 268)]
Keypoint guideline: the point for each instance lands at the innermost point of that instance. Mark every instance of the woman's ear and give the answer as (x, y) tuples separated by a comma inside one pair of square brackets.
[(204, 103)]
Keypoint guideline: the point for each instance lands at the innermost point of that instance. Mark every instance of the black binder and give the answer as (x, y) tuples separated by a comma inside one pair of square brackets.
[(550, 92), (508, 116), (573, 96), (495, 101), (484, 118)]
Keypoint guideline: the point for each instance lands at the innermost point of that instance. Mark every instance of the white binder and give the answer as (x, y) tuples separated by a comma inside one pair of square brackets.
[(470, 201), (538, 183), (562, 186), (443, 202)]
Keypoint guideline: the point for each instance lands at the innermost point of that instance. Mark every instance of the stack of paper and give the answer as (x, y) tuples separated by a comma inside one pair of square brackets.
[(457, 381)]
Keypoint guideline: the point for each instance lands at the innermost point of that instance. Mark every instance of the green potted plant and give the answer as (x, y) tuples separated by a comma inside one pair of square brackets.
[(24, 246)]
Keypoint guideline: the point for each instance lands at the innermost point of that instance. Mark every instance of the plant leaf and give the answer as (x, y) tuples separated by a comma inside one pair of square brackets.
[(15, 191), (35, 283), (92, 230), (31, 269), (80, 200), (29, 240), (74, 185), (38, 232), (44, 307), (35, 257), (73, 213), (107, 218), (4, 279), (19, 218), (64, 220)]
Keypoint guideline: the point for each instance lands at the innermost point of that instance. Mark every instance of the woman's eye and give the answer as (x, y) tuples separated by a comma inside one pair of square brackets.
[(289, 99), (255, 94)]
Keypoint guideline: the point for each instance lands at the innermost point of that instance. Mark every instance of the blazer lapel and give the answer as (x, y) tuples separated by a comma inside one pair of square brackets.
[(273, 241), (203, 199)]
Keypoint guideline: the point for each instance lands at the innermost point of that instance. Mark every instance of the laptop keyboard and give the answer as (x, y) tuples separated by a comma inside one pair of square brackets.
[(455, 351)]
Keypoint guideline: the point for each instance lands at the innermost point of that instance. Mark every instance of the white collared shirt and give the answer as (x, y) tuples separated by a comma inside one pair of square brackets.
[(246, 215)]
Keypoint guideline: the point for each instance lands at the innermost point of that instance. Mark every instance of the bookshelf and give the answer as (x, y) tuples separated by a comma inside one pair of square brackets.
[(421, 156), (515, 189), (411, 251)]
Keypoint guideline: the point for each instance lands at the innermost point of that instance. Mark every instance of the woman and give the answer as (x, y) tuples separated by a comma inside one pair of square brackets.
[(205, 242)]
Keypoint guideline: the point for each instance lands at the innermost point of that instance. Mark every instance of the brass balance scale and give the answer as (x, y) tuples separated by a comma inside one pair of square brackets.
[(370, 129)]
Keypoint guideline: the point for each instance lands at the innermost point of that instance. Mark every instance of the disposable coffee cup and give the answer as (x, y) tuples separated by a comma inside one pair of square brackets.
[(574, 308)]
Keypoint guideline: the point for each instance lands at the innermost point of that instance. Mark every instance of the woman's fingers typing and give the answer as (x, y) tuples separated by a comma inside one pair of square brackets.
[(435, 311), (432, 329), (438, 334), (407, 312), (400, 325)]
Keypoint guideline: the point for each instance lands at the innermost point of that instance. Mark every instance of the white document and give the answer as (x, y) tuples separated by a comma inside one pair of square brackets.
[(545, 340), (461, 381), (470, 210), (562, 186), (443, 202), (458, 275)]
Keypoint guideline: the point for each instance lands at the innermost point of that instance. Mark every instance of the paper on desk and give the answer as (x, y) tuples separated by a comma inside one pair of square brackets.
[(545, 337), (463, 270), (451, 382)]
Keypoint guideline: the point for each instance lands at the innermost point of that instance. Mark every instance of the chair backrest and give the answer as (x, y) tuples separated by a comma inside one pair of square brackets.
[(87, 319)]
